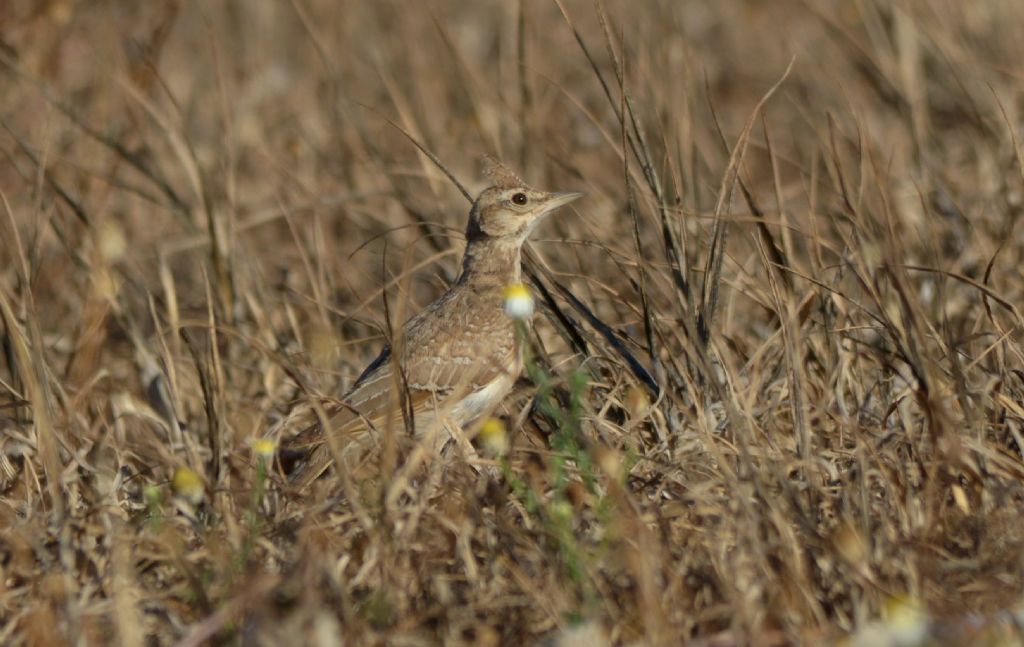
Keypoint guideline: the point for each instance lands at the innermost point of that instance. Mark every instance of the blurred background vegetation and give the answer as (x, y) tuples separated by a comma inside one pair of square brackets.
[(211, 210)]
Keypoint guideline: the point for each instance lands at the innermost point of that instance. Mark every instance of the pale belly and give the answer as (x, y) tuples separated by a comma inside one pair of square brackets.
[(482, 400)]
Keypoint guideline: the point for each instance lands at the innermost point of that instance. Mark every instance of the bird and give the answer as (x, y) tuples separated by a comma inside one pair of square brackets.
[(457, 359)]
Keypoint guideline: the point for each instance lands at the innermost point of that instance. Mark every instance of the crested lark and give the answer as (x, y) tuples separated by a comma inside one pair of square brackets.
[(460, 356)]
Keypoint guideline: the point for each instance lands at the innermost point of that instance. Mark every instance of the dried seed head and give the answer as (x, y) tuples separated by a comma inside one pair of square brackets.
[(611, 463), (637, 403)]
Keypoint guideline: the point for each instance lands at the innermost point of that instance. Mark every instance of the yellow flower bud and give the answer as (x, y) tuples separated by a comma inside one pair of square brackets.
[(906, 621), (264, 448), (494, 437), (518, 301), (188, 485)]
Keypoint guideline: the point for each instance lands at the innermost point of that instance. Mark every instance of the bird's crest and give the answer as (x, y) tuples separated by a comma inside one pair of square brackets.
[(501, 175)]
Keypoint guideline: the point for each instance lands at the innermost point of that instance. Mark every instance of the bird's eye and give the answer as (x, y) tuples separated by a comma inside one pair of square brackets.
[(520, 199)]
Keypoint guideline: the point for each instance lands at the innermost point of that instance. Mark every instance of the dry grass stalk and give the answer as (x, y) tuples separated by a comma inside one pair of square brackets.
[(805, 429)]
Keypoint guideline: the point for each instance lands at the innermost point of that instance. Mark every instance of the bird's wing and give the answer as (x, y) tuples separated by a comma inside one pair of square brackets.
[(435, 366)]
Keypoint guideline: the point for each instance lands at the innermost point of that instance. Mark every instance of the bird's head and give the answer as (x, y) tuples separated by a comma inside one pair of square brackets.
[(510, 209)]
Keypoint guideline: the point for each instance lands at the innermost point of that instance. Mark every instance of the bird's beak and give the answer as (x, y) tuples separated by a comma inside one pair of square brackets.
[(560, 199)]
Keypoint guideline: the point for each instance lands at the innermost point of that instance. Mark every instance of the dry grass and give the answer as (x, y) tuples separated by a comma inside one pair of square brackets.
[(205, 206)]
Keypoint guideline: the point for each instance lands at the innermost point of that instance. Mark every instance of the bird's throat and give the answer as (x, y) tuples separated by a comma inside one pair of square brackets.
[(491, 260)]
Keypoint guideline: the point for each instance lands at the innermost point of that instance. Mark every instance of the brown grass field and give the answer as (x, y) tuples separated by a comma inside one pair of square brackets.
[(776, 386)]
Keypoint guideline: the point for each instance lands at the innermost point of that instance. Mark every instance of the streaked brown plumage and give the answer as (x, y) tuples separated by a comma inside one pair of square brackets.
[(458, 356)]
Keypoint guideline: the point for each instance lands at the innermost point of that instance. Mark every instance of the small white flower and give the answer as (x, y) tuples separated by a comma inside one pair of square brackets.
[(518, 301)]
